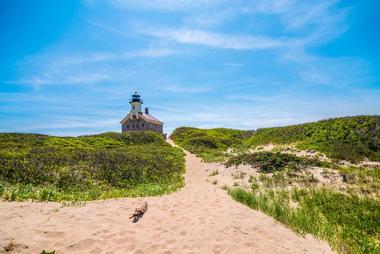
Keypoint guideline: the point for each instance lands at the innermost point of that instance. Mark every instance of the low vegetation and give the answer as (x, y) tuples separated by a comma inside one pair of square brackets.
[(101, 166), (210, 144), (297, 184), (346, 213), (270, 162), (347, 138), (351, 224)]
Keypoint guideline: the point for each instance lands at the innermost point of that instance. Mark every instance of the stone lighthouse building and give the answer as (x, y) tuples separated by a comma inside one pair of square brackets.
[(137, 120)]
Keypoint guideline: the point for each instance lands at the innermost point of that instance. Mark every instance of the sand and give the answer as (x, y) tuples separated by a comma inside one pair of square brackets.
[(200, 218)]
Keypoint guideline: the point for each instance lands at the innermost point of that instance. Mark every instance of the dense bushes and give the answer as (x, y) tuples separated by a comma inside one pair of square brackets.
[(269, 162), (101, 162), (348, 138), (210, 144)]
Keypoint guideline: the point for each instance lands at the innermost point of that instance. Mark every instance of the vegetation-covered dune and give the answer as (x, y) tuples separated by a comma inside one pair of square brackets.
[(290, 179), (347, 138), (209, 144), (101, 166)]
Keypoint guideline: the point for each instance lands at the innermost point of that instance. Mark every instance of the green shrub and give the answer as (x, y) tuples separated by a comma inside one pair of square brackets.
[(347, 138), (268, 162), (209, 144), (107, 162)]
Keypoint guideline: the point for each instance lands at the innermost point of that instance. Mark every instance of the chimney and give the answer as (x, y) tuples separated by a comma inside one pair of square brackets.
[(147, 111)]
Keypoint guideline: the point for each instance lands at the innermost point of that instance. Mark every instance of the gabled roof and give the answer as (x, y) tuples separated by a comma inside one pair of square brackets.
[(150, 118), (146, 117)]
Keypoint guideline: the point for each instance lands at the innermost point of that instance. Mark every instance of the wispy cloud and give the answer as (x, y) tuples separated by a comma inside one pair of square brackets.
[(212, 39), (233, 64), (168, 5), (188, 89), (258, 98), (94, 57), (330, 71), (46, 79), (76, 68)]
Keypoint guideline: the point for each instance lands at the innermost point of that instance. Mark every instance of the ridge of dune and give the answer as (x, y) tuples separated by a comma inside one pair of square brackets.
[(199, 218)]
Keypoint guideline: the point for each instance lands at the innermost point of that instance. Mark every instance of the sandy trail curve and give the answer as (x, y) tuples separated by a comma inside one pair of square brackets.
[(200, 218)]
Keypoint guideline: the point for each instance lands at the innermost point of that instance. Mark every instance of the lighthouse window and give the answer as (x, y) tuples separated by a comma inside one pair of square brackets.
[(133, 107)]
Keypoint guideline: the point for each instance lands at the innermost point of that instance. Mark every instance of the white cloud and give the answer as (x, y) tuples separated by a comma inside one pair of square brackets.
[(188, 89), (93, 57), (218, 40), (83, 68), (257, 98), (317, 21), (39, 80), (167, 5)]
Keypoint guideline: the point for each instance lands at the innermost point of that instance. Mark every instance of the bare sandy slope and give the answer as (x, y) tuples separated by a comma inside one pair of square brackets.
[(200, 218)]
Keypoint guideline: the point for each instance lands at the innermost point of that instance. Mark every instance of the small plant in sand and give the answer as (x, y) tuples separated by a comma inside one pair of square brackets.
[(48, 252), (238, 175), (10, 247), (252, 179), (214, 173), (255, 186)]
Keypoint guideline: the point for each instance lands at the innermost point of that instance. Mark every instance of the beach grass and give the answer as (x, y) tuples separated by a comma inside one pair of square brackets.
[(349, 223)]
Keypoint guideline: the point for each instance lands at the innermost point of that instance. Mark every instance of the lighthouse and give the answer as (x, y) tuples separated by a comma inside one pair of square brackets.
[(137, 120), (136, 103)]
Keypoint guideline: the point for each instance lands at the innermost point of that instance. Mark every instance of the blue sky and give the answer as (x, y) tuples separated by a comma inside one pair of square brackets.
[(69, 67)]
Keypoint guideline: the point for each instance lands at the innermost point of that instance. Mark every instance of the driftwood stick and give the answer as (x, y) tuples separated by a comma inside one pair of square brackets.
[(140, 211)]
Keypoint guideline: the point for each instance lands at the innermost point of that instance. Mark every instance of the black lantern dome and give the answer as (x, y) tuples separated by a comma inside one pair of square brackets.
[(136, 98)]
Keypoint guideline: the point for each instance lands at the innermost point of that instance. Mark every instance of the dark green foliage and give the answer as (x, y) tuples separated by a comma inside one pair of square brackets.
[(88, 164), (268, 162), (348, 138), (210, 144), (349, 223)]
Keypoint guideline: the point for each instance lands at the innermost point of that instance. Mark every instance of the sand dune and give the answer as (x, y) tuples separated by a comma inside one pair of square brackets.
[(200, 218)]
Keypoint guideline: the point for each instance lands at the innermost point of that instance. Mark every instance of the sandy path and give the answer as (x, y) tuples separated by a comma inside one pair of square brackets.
[(200, 218)]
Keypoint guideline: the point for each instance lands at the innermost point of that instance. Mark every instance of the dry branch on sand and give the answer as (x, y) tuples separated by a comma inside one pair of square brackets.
[(139, 212)]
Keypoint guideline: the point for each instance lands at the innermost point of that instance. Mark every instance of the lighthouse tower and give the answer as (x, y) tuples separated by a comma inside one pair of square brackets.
[(136, 103), (137, 120)]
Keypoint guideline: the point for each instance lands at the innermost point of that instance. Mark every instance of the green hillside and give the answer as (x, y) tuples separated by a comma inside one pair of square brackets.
[(347, 138), (333, 201), (108, 165), (209, 144)]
